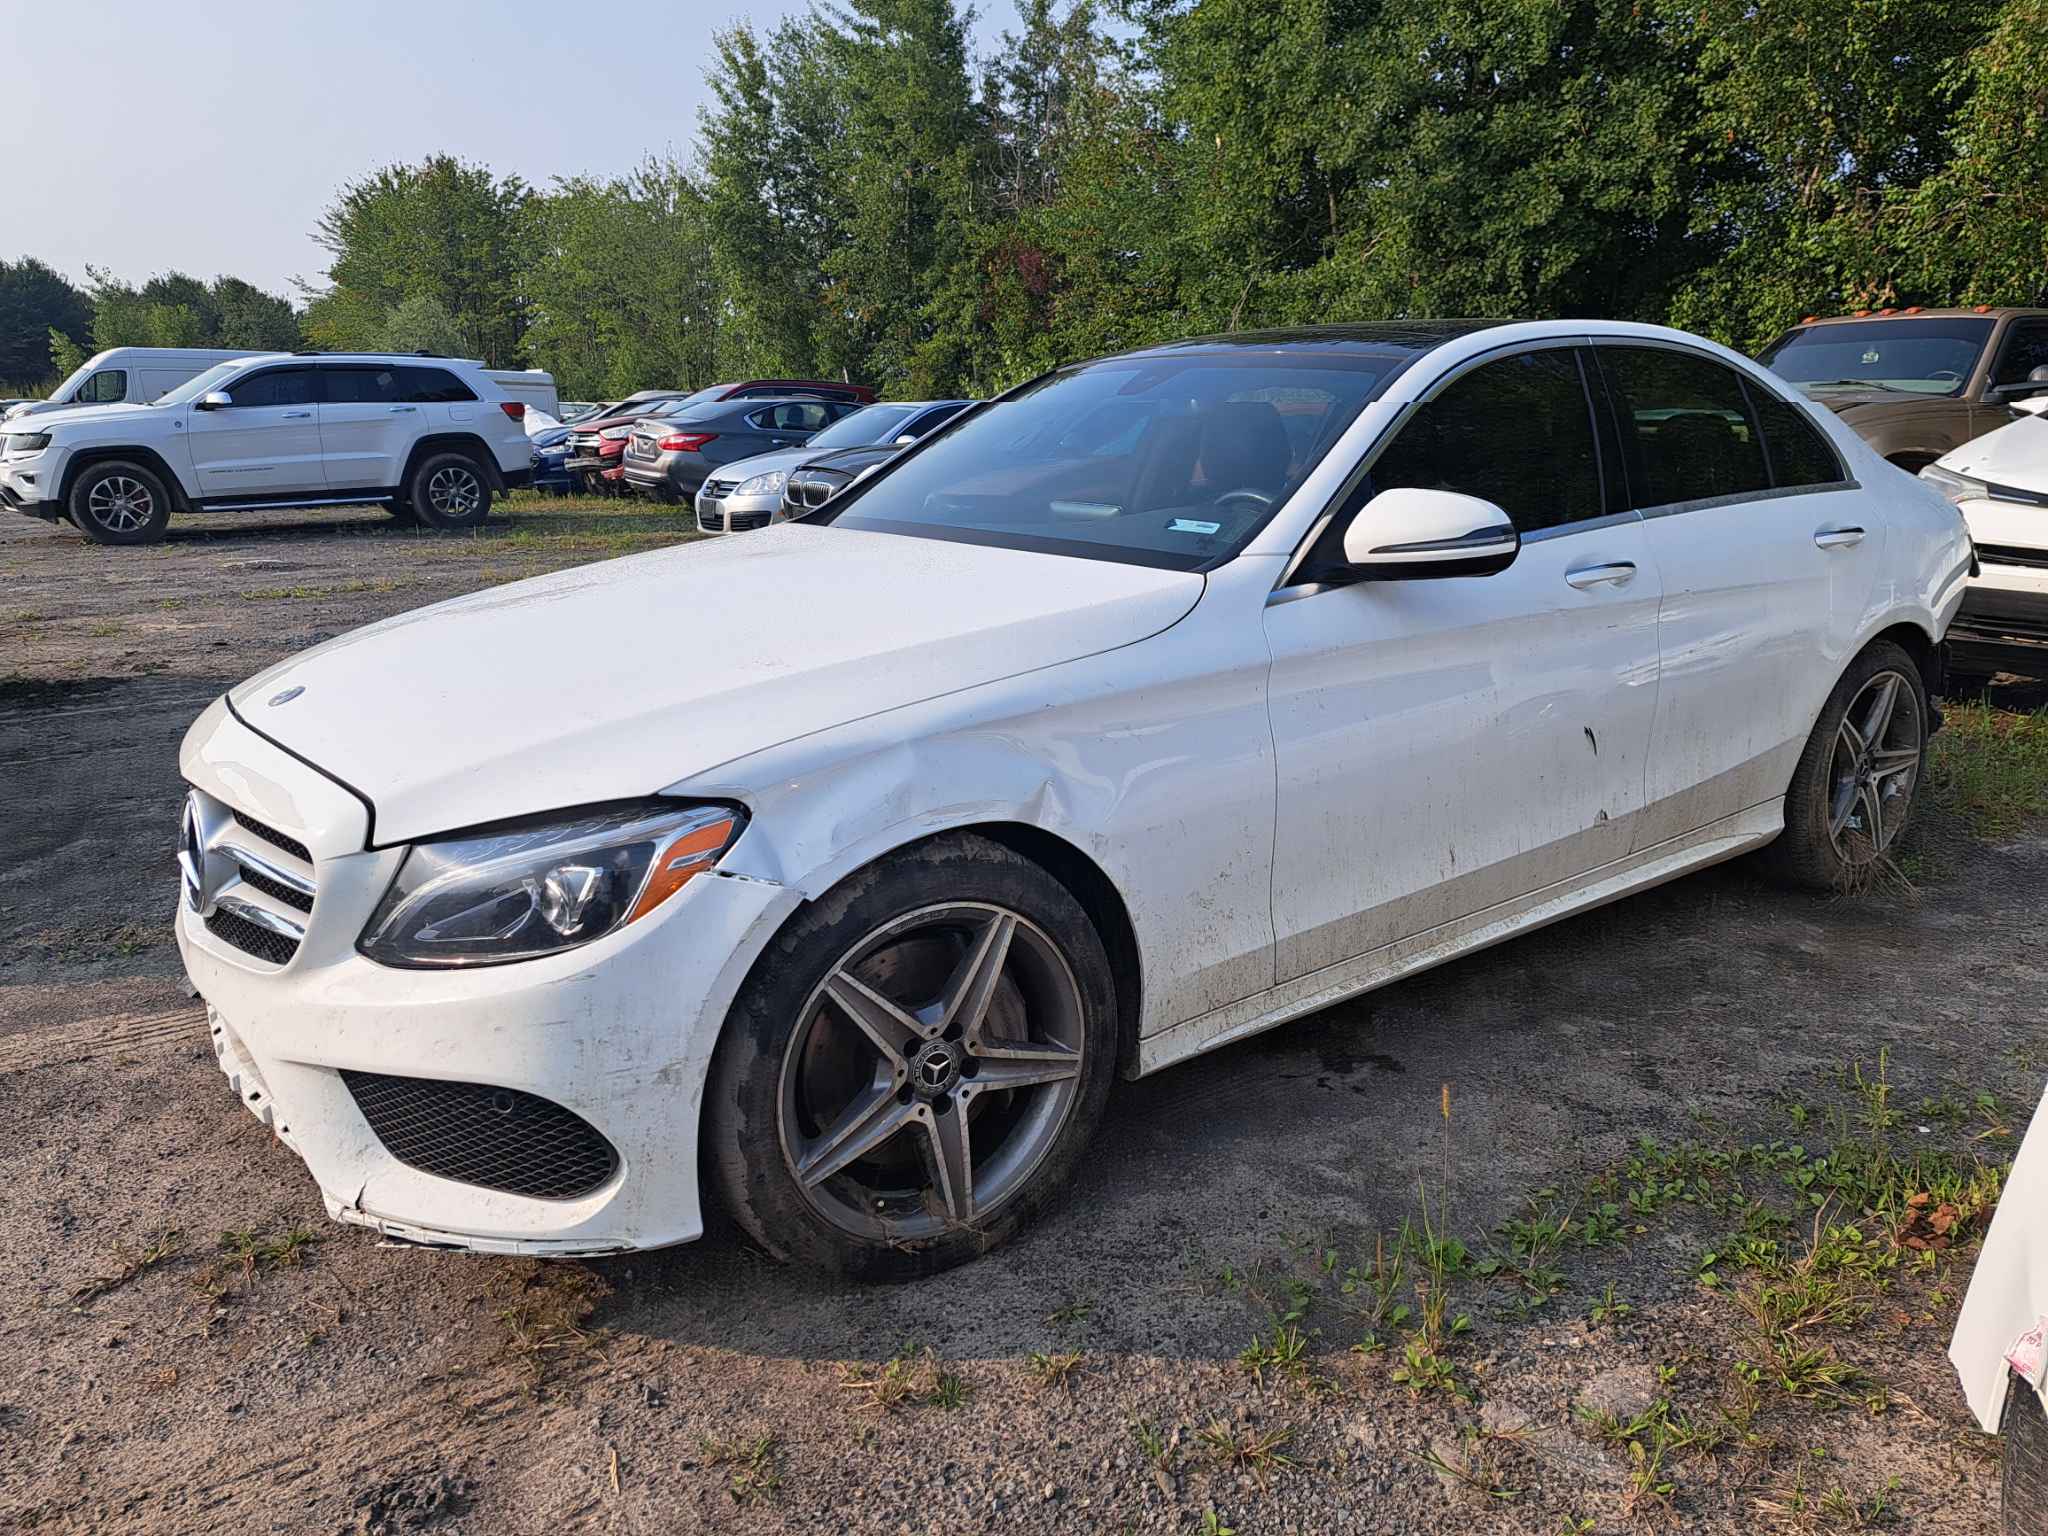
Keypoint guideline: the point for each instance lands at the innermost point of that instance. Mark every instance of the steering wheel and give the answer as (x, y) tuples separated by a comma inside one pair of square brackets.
[(1258, 498), (1946, 373)]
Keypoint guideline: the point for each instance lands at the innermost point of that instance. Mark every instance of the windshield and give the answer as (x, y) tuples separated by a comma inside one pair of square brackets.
[(708, 392), (1933, 356), (192, 389), (869, 424), (1171, 461)]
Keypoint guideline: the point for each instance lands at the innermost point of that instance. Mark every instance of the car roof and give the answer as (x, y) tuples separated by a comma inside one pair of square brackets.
[(1919, 312), (1410, 336)]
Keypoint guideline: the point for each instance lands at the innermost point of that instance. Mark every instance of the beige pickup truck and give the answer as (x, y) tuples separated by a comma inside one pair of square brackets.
[(1916, 383)]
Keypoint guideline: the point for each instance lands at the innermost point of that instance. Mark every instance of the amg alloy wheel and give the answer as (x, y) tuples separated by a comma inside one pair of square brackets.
[(1852, 791), (931, 1072), (916, 1064)]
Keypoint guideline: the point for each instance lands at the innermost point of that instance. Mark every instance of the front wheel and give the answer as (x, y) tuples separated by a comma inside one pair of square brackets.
[(447, 490), (915, 1066), (1852, 793), (117, 502)]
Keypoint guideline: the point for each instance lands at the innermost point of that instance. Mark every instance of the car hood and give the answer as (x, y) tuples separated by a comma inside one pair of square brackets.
[(615, 680), (851, 461), (47, 416), (761, 463), (2015, 454), (1851, 400)]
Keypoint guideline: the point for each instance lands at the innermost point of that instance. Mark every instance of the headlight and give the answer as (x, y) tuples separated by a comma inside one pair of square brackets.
[(763, 485), (534, 888), (28, 442), (1957, 488)]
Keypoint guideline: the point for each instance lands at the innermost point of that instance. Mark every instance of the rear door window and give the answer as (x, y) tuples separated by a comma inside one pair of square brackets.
[(1687, 433), (361, 386), (1517, 433), (1799, 455), (431, 386)]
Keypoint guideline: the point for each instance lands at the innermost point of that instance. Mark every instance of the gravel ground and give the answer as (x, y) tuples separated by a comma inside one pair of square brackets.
[(263, 1370)]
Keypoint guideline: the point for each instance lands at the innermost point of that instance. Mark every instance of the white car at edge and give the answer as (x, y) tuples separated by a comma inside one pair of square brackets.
[(1999, 482), (838, 870)]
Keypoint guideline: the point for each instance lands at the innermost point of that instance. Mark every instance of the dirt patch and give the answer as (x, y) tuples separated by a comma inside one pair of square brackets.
[(1223, 1325)]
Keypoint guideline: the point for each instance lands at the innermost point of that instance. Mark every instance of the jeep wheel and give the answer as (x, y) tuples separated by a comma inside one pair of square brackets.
[(448, 490), (119, 502)]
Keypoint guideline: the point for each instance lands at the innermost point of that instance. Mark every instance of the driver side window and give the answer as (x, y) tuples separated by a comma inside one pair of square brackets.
[(1517, 433), (107, 387)]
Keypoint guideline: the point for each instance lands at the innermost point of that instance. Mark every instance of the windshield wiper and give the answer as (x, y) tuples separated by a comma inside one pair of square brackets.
[(1858, 384)]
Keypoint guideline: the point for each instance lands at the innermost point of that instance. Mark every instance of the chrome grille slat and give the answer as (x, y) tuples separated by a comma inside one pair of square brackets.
[(252, 885)]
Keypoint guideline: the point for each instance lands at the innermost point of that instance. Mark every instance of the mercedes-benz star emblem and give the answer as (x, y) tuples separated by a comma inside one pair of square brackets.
[(192, 857), (287, 696), (934, 1068)]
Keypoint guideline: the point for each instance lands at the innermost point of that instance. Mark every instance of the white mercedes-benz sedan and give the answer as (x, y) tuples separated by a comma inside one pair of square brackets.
[(834, 873)]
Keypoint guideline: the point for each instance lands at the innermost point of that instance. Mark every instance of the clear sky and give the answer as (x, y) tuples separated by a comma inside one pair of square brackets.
[(208, 136)]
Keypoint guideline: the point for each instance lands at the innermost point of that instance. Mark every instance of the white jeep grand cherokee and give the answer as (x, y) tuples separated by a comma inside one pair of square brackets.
[(432, 436)]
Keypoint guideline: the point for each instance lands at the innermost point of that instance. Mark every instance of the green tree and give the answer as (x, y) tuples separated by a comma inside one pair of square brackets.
[(441, 230), (622, 286), (421, 324), (769, 151), (35, 303)]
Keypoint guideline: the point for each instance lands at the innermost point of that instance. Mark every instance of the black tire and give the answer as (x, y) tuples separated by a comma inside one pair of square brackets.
[(748, 1169), (449, 490), (1807, 854), (119, 501), (2024, 1479)]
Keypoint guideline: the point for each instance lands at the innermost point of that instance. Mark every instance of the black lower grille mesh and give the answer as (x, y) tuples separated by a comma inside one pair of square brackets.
[(499, 1138), (271, 835), (251, 938), (277, 888)]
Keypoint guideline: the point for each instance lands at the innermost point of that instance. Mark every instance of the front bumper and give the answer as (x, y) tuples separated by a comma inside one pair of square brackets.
[(25, 489), (619, 1032), (2002, 625), (735, 514)]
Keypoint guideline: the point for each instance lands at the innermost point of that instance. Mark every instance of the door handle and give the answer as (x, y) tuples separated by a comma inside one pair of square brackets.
[(1837, 538), (404, 410), (296, 415), (1617, 574)]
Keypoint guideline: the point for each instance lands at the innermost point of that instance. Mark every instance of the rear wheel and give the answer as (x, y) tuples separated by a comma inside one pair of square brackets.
[(916, 1066), (119, 502), (1852, 793), (448, 490)]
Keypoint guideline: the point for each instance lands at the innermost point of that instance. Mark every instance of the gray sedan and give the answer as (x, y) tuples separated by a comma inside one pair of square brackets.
[(748, 494), (669, 456)]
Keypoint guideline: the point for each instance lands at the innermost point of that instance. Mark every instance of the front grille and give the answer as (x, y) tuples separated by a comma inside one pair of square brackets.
[(710, 520), (740, 522), (2012, 554), (812, 490), (250, 938), (498, 1138), (718, 490), (271, 835)]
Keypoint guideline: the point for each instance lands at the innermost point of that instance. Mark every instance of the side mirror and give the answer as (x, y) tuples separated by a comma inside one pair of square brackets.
[(1407, 534), (213, 400)]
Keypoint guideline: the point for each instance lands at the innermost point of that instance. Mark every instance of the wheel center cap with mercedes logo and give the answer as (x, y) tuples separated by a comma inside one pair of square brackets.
[(936, 1069)]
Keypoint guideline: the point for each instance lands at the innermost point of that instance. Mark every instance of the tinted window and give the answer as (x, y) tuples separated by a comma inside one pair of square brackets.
[(928, 421), (360, 386), (1517, 433), (432, 386), (276, 386), (1918, 356), (107, 387), (1161, 460), (2026, 348), (795, 416), (1686, 431), (1799, 454), (869, 424)]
